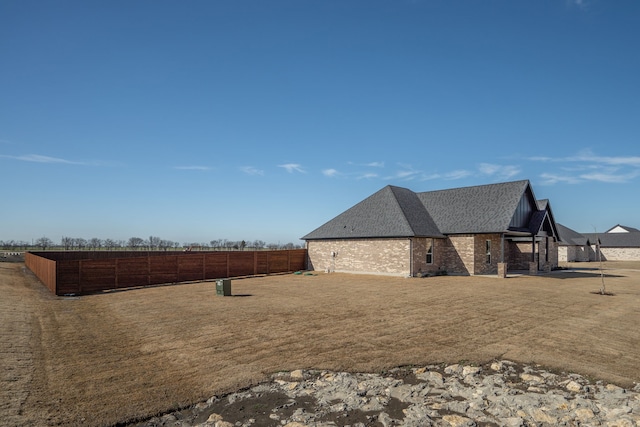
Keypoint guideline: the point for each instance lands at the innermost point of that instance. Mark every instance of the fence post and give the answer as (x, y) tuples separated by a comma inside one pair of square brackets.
[(228, 261), (80, 276)]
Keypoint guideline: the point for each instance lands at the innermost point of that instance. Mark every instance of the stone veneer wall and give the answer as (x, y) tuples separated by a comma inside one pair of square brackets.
[(374, 256), (617, 254), (574, 253)]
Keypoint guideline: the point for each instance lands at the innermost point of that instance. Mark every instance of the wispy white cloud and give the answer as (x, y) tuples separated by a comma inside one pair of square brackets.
[(330, 172), (610, 177), (405, 173), (370, 164), (292, 167), (550, 179), (375, 164), (587, 166), (250, 170), (587, 156), (192, 168), (457, 174), (367, 175), (499, 171), (37, 158)]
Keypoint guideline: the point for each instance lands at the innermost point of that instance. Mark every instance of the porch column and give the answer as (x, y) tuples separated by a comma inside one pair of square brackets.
[(533, 265), (502, 266)]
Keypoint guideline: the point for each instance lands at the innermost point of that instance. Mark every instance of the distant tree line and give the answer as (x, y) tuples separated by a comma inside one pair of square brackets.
[(153, 243)]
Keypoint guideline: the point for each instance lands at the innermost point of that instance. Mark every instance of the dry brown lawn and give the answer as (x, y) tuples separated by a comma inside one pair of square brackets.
[(114, 357)]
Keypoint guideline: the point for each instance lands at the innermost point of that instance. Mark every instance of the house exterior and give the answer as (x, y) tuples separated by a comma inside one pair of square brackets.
[(619, 243), (486, 229), (573, 246)]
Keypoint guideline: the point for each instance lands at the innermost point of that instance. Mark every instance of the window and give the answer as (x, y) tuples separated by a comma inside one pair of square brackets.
[(488, 252), (430, 252)]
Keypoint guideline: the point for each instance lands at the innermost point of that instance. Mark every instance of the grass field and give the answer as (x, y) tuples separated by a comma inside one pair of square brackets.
[(113, 357)]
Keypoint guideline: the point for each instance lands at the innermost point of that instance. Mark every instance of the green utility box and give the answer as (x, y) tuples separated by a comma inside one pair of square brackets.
[(223, 287)]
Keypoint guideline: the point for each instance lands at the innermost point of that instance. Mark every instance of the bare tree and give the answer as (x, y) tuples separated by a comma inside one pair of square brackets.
[(603, 290), (135, 242), (165, 244), (67, 243), (109, 244), (80, 243), (95, 243), (154, 242), (44, 243)]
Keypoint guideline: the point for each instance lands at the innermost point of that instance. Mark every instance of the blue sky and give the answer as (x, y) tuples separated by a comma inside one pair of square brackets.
[(247, 119)]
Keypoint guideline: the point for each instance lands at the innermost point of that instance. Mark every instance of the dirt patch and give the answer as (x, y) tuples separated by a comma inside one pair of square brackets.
[(117, 357)]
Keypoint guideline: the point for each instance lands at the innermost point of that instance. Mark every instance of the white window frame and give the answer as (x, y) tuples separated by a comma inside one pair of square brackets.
[(429, 255)]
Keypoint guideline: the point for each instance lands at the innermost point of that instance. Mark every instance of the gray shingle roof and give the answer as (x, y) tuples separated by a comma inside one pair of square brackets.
[(399, 212), (616, 240), (479, 209), (571, 237), (390, 212)]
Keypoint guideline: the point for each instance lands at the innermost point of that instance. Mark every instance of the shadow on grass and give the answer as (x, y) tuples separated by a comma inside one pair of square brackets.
[(604, 294), (571, 274)]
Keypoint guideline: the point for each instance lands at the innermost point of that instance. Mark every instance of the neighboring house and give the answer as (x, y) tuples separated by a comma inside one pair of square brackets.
[(573, 246), (620, 243), (484, 229), (622, 229)]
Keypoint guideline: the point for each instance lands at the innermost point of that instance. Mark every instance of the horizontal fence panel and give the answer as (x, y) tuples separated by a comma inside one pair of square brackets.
[(242, 264), (278, 262), (132, 272), (191, 268), (68, 277), (262, 262), (97, 272), (44, 269), (216, 265), (163, 270), (64, 274)]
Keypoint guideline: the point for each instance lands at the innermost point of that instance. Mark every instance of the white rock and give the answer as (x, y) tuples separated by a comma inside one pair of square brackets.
[(297, 374), (573, 386), (470, 370), (458, 421), (452, 369), (542, 417), (531, 378), (214, 418), (497, 366), (584, 414)]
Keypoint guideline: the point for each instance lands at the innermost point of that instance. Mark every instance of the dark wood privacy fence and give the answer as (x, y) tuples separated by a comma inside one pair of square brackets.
[(87, 272)]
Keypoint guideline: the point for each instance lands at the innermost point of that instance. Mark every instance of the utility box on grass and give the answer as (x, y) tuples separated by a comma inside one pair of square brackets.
[(223, 287)]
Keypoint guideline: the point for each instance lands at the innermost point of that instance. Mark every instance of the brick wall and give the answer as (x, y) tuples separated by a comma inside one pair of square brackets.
[(481, 266), (438, 264), (519, 255), (459, 254), (375, 256)]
